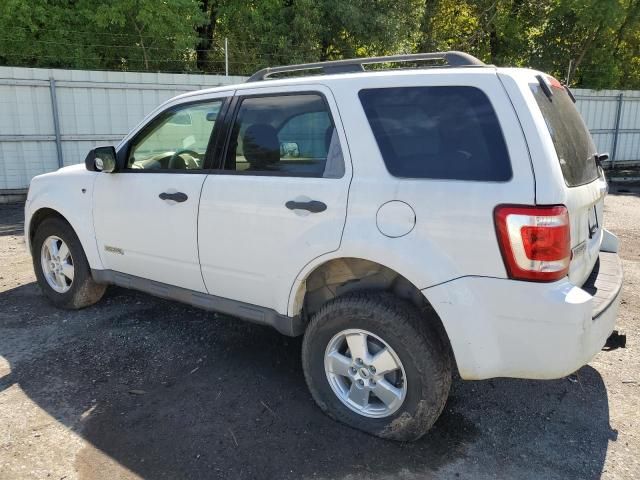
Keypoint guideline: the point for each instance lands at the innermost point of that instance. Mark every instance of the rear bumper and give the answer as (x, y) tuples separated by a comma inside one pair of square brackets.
[(507, 328)]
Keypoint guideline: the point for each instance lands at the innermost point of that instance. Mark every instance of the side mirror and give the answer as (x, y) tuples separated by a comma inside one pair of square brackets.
[(180, 118), (101, 159), (601, 157), (289, 149)]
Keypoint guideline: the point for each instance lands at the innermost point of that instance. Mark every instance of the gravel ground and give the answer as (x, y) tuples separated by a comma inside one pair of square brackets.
[(137, 387)]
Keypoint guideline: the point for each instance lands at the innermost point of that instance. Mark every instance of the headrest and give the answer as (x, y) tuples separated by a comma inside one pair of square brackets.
[(260, 145)]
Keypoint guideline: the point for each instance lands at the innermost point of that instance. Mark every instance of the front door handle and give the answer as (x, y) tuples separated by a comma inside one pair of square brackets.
[(176, 197), (313, 206)]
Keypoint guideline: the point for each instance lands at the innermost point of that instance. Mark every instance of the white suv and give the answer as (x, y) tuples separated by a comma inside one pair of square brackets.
[(404, 221)]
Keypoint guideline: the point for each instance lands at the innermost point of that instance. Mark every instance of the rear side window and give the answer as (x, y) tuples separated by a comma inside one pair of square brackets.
[(289, 135), (570, 135), (437, 132)]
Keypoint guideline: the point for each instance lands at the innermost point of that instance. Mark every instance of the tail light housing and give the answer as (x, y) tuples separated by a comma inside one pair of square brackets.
[(535, 241)]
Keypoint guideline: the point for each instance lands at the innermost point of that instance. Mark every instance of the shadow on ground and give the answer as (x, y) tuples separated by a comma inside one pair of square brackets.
[(623, 188), (173, 392), (11, 220)]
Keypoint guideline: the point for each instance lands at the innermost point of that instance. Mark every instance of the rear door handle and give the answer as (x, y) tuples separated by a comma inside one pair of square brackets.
[(176, 197), (313, 206)]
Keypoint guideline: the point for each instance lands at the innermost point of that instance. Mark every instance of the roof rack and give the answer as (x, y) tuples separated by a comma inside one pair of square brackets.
[(453, 59)]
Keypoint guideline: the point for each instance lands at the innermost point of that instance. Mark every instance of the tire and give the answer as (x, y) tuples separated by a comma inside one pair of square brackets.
[(82, 290), (424, 356)]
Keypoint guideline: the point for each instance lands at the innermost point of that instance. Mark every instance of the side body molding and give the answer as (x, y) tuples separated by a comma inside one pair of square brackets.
[(291, 326)]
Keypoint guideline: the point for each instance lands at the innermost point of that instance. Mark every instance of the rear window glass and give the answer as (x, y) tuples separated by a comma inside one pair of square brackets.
[(570, 135), (437, 132)]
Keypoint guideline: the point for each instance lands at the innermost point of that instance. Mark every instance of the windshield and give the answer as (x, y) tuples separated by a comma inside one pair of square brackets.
[(570, 135)]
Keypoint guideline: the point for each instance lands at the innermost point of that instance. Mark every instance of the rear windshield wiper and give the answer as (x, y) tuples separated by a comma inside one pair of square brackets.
[(545, 87), (570, 93)]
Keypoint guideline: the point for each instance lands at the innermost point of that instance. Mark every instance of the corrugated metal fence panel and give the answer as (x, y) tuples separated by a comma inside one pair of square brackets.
[(629, 142), (600, 111), (94, 108)]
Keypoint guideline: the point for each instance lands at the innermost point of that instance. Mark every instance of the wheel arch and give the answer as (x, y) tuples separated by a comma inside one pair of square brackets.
[(339, 276), (43, 212), (40, 216)]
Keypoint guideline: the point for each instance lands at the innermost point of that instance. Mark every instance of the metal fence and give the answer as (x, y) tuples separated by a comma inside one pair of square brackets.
[(50, 118), (613, 116)]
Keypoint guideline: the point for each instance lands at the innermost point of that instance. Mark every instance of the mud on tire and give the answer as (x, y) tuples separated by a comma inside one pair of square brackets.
[(83, 291), (417, 342)]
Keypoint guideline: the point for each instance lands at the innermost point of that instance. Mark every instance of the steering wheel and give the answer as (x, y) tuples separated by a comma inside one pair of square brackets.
[(174, 157)]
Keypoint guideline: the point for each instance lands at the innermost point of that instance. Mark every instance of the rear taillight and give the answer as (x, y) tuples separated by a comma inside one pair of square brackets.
[(535, 241)]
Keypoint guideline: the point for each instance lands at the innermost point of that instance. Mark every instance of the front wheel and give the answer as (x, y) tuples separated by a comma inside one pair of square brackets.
[(374, 363), (61, 266)]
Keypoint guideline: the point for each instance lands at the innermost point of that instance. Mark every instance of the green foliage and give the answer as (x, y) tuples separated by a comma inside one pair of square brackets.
[(600, 39), (99, 34)]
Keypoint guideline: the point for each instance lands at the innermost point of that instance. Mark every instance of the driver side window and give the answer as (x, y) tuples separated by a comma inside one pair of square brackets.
[(177, 140)]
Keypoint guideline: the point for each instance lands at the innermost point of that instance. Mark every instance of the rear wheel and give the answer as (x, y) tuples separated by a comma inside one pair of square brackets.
[(373, 362), (61, 266)]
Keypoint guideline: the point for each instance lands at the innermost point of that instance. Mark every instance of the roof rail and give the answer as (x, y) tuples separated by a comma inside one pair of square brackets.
[(453, 59)]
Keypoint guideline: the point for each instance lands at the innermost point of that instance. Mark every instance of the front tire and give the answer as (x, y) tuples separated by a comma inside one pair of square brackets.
[(61, 267), (373, 362)]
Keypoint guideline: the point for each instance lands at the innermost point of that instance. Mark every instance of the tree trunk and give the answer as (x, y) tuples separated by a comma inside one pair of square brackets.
[(427, 40), (495, 45), (585, 48), (633, 12), (144, 50), (324, 53), (205, 34)]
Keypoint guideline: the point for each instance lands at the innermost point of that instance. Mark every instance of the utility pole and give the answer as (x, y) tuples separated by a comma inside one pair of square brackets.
[(566, 82), (226, 57)]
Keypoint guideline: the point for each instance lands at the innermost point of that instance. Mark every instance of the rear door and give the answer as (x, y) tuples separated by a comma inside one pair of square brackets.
[(582, 185), (279, 198)]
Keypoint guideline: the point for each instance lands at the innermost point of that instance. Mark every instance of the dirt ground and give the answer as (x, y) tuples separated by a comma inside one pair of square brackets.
[(137, 387)]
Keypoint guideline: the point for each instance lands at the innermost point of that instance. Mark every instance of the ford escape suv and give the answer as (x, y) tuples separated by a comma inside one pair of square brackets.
[(405, 221)]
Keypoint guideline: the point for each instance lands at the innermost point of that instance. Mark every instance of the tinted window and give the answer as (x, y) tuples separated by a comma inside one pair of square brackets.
[(178, 139), (571, 137), (437, 132), (290, 135)]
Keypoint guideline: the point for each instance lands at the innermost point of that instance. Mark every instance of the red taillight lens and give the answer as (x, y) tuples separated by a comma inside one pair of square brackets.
[(535, 241), (545, 243)]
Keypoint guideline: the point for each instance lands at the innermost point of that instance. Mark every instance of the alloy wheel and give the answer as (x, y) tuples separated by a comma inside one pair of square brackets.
[(365, 373), (57, 264)]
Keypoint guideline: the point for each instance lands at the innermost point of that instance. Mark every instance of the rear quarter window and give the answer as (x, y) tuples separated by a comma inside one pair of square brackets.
[(437, 132), (571, 137)]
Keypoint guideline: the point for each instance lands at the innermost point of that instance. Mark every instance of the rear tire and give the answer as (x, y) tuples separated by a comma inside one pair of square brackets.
[(421, 378), (61, 267)]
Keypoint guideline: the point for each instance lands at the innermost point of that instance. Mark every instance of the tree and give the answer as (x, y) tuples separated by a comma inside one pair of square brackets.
[(118, 34), (599, 38)]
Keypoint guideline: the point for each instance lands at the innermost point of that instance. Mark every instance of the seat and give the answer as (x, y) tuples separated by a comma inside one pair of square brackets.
[(261, 146)]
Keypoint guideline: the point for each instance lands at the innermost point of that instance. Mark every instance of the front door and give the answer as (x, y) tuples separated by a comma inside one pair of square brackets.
[(280, 198), (145, 215)]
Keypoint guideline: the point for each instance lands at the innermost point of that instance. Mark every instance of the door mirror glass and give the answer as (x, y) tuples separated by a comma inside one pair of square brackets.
[(289, 150), (101, 159), (181, 118)]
